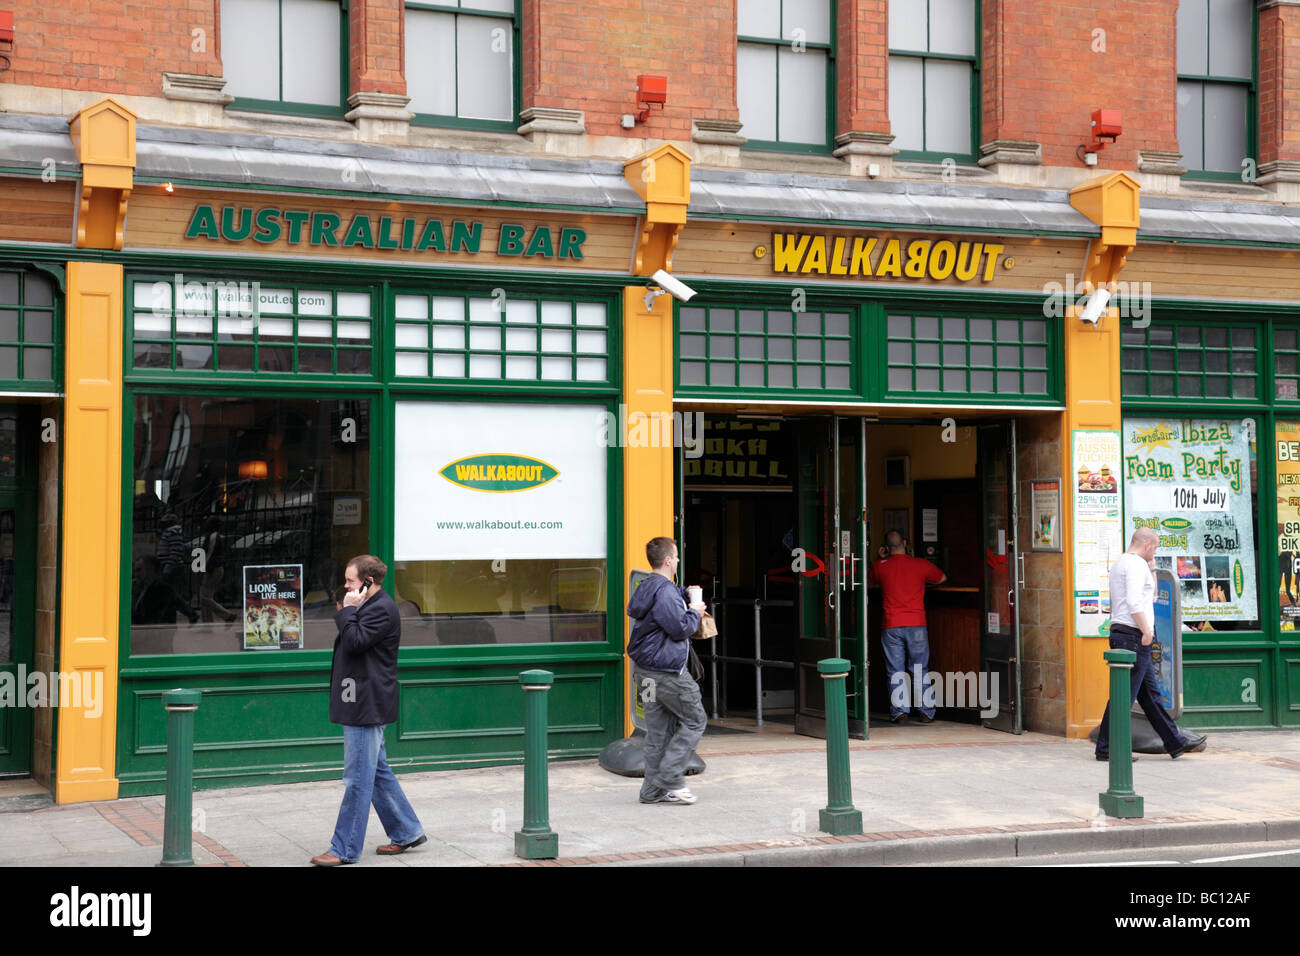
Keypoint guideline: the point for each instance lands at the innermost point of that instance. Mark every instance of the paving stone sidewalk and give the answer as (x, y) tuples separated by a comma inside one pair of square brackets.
[(939, 794)]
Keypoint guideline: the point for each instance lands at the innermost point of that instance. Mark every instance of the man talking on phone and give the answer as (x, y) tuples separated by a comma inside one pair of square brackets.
[(363, 698)]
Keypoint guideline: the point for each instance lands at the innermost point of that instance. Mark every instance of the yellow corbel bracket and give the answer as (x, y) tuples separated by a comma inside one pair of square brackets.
[(104, 137), (1112, 202), (663, 179)]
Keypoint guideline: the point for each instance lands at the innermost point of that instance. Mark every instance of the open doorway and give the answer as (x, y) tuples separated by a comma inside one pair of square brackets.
[(782, 519)]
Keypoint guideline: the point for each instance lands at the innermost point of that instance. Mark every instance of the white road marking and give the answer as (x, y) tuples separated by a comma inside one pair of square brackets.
[(1124, 863), (1247, 856)]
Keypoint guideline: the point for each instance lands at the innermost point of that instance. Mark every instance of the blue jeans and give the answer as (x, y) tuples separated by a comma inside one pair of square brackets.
[(912, 643), (367, 778), (1143, 689)]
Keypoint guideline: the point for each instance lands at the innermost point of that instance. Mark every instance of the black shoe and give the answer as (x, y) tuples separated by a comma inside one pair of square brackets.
[(1192, 745), (1105, 758)]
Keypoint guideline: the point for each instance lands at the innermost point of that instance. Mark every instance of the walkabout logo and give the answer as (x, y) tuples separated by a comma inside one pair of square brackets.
[(499, 472)]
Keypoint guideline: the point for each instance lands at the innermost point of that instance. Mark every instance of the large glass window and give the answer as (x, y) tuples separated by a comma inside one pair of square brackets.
[(245, 513), (27, 328), (783, 72), (976, 355), (458, 337), (1216, 84), (460, 60), (933, 70), (765, 348), (501, 535), (1183, 359), (178, 323), (283, 54)]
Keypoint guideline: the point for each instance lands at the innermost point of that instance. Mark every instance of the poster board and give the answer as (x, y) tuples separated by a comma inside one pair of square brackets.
[(273, 607), (1098, 533)]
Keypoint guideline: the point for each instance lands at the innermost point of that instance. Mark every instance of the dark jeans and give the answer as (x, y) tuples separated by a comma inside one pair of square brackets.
[(668, 699), (1142, 688)]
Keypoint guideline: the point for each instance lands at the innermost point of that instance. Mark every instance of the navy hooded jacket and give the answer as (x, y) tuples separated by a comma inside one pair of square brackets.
[(663, 625)]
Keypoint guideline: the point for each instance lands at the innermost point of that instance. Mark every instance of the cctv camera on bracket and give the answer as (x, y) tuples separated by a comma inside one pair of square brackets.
[(1096, 307), (664, 282)]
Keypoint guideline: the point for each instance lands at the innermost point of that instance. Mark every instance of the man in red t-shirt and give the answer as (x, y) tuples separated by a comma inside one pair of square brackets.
[(902, 579)]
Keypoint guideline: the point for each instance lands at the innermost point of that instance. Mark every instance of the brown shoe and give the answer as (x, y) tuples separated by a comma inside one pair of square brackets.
[(923, 718), (329, 859), (898, 718), (392, 849)]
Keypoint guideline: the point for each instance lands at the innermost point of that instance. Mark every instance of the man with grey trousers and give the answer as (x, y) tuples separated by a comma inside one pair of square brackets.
[(660, 642)]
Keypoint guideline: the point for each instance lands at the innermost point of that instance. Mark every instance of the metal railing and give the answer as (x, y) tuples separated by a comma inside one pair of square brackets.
[(757, 661)]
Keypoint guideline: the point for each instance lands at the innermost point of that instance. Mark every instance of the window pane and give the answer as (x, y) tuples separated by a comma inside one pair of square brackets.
[(906, 116), (431, 62), (756, 90), (250, 49), (947, 106), (907, 25), (1225, 113), (486, 75), (500, 6), (249, 465), (1192, 41), (759, 18), (38, 364), (803, 93), (813, 17), (311, 51), (952, 27), (1189, 124), (1230, 38)]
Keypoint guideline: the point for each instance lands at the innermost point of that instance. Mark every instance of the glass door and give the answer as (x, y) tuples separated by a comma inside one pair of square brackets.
[(1000, 620), (829, 566)]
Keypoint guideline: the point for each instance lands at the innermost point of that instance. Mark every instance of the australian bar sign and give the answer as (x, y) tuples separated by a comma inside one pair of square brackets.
[(885, 257), (318, 228)]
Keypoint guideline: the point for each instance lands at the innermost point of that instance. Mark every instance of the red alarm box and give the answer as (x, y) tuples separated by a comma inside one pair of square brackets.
[(1106, 123), (7, 27), (652, 89)]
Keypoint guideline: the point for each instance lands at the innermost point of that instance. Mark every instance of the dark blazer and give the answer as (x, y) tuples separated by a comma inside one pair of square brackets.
[(365, 652)]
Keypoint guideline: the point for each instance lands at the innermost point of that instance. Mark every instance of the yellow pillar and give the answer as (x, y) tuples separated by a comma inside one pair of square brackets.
[(662, 179), (92, 509), (1092, 399), (85, 768)]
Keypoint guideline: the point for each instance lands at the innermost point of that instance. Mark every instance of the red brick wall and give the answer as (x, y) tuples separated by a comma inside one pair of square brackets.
[(1042, 79), (1279, 84), (862, 75), (586, 54), (377, 46), (110, 47)]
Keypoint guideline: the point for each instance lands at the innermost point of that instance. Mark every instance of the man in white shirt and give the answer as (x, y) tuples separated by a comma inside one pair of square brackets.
[(1132, 623)]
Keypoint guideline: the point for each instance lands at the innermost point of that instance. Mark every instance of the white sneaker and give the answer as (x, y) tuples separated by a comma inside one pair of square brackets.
[(683, 795)]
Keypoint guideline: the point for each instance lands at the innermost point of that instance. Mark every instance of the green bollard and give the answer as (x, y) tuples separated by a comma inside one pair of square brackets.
[(536, 841), (839, 818), (177, 808), (1120, 800)]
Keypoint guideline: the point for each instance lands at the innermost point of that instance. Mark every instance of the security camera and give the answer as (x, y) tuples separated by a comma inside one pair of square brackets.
[(675, 287), (1092, 312)]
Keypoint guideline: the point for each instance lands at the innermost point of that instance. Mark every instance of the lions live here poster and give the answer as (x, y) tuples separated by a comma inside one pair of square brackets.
[(1288, 523), (273, 607), (1189, 480)]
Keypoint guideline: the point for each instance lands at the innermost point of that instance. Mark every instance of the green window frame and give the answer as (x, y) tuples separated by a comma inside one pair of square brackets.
[(509, 20), (1286, 362), (309, 330), (765, 348), (931, 64), (278, 104), (1180, 358), (788, 40), (31, 329), (1203, 78), (493, 336), (991, 355)]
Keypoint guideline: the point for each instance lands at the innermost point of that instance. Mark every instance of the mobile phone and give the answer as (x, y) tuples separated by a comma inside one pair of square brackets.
[(368, 583)]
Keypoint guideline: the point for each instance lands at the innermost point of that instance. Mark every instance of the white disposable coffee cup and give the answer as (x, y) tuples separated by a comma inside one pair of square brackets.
[(695, 593)]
